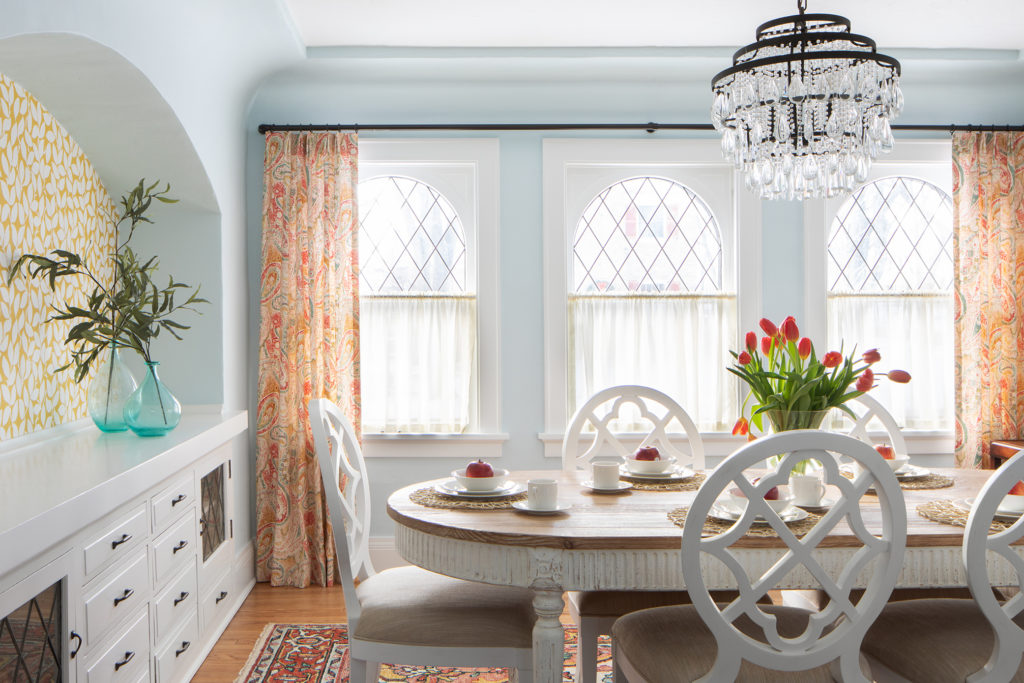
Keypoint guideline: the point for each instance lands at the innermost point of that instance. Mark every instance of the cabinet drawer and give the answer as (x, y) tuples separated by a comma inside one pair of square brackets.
[(116, 598), (175, 548), (176, 656), (176, 603), (127, 659), (117, 541), (172, 501)]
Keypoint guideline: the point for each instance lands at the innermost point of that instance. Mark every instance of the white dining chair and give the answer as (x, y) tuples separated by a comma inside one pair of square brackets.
[(742, 639), (975, 640), (870, 414), (407, 615), (592, 434)]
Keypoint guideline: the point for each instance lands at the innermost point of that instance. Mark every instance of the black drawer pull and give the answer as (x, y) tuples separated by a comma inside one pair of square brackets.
[(184, 646), (128, 656), (124, 539), (180, 598), (223, 594), (128, 592), (77, 647), (177, 499), (181, 546)]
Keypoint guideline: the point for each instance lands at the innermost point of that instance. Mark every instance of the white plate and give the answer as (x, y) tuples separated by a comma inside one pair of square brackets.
[(823, 504), (676, 473), (524, 506), (451, 487), (967, 504), (727, 513), (622, 486), (909, 471)]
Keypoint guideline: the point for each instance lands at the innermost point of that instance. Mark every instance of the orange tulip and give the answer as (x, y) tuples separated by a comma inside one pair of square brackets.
[(766, 345), (751, 341), (741, 427), (804, 347), (901, 376), (769, 327), (743, 358), (832, 359), (866, 381), (789, 329), (872, 356)]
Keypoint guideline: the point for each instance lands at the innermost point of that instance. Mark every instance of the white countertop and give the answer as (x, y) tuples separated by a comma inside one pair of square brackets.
[(70, 476)]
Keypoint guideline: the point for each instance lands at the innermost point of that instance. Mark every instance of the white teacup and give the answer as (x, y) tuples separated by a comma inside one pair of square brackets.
[(806, 489), (605, 475), (542, 494)]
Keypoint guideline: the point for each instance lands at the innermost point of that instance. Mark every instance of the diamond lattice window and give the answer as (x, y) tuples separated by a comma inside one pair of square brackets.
[(410, 238), (647, 235), (893, 235), (30, 640)]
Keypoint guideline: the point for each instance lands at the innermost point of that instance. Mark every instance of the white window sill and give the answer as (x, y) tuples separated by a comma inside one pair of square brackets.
[(433, 445)]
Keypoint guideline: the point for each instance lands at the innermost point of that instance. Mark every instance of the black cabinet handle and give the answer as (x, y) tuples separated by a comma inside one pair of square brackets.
[(128, 656), (184, 646), (124, 539), (180, 598), (177, 499), (77, 647), (223, 594), (181, 546), (128, 592)]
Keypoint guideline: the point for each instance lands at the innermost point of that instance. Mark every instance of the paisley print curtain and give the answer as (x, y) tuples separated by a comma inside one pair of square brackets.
[(308, 346), (988, 246)]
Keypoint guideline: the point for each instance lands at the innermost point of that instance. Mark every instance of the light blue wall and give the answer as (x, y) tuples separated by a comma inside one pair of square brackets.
[(471, 86)]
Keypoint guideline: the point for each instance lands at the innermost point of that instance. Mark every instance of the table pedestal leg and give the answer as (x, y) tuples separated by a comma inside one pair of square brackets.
[(548, 638)]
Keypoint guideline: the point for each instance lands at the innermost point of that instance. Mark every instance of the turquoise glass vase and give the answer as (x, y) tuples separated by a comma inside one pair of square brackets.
[(109, 391), (152, 410)]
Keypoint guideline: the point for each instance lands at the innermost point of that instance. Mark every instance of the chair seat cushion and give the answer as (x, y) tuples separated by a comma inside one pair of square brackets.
[(933, 640), (671, 644), (411, 606)]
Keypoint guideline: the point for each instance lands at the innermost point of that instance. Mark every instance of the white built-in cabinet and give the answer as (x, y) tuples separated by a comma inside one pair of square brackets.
[(142, 541)]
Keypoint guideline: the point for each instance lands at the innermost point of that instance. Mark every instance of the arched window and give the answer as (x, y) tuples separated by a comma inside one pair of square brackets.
[(890, 277), (647, 303), (417, 314)]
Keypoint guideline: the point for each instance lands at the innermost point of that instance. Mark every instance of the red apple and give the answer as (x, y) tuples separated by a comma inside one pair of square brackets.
[(1018, 489), (479, 469), (772, 493), (647, 453), (886, 451)]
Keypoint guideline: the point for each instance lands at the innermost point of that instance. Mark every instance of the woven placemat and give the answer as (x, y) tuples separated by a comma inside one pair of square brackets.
[(643, 484), (713, 527), (928, 481), (948, 512), (430, 498)]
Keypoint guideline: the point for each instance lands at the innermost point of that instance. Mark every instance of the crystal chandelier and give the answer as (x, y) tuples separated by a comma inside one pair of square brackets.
[(805, 110)]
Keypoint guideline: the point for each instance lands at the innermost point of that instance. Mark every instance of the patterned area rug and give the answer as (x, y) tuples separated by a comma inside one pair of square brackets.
[(318, 653)]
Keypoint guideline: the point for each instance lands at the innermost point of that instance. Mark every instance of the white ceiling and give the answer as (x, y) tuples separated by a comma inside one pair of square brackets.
[(990, 24)]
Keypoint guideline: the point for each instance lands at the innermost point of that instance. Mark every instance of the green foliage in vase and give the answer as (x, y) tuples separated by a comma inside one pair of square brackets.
[(132, 310)]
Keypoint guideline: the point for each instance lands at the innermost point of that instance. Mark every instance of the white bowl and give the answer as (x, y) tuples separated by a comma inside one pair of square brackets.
[(740, 501), (897, 463), (1012, 503), (649, 466), (480, 483)]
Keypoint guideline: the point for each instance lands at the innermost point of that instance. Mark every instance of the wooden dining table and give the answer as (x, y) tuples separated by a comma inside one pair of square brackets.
[(626, 541)]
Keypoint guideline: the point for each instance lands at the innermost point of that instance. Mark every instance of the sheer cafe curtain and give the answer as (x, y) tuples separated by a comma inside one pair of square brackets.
[(911, 333), (402, 392), (678, 344)]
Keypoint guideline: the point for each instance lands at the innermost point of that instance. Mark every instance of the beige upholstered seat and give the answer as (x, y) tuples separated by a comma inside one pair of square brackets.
[(672, 644), (939, 641), (411, 606)]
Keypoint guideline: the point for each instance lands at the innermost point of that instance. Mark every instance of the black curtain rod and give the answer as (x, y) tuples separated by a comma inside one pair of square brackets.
[(649, 127)]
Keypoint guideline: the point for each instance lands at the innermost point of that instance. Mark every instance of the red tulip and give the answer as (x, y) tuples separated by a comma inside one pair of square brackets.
[(789, 329), (743, 358), (832, 359), (769, 327), (901, 376), (766, 345), (866, 381), (804, 347), (751, 341), (872, 356), (741, 427)]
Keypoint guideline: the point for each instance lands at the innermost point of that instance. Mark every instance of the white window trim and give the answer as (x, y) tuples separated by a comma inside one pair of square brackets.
[(917, 158), (402, 157), (561, 154)]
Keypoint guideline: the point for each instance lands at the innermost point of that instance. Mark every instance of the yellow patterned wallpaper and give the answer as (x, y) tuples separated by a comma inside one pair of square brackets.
[(50, 197)]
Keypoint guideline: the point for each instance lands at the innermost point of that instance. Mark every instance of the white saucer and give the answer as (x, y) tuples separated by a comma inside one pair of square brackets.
[(677, 473), (909, 471), (451, 487), (622, 486), (524, 506), (728, 513), (823, 504), (967, 504)]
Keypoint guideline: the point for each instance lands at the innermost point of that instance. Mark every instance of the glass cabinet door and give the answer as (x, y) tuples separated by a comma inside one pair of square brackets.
[(213, 523), (31, 639)]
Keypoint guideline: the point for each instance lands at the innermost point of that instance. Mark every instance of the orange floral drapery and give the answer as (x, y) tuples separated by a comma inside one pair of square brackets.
[(988, 247), (308, 346)]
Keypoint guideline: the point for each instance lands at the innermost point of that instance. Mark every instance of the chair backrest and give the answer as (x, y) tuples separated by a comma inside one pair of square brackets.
[(868, 409), (652, 407), (339, 455), (979, 545), (826, 636)]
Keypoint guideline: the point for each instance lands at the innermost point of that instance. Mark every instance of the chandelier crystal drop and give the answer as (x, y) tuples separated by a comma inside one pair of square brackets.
[(805, 109)]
